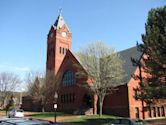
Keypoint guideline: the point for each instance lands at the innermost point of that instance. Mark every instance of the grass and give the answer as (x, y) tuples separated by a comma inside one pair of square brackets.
[(156, 119), (2, 112), (45, 114), (96, 120), (83, 119), (90, 120)]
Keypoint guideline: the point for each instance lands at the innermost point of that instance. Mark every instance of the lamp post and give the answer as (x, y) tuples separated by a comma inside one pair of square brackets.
[(20, 102), (55, 105)]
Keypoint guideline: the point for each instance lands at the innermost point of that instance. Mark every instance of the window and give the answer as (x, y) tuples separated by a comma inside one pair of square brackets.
[(63, 50), (136, 94), (65, 98), (62, 98), (68, 78), (68, 98), (149, 113), (137, 113), (60, 50), (154, 111), (158, 111), (162, 111), (73, 97)]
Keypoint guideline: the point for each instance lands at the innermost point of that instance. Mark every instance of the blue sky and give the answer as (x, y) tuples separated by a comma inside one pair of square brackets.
[(24, 25)]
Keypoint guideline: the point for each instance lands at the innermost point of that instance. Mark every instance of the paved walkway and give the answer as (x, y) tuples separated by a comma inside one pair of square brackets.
[(61, 118), (162, 122), (52, 119)]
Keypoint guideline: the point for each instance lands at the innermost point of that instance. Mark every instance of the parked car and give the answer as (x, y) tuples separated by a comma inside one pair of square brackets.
[(16, 113), (25, 121), (124, 121)]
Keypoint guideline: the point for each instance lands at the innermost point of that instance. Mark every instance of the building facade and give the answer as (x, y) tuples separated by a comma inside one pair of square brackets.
[(74, 98), (58, 42)]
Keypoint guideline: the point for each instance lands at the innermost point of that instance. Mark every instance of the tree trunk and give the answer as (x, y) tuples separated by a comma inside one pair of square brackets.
[(101, 98), (142, 99), (6, 112), (143, 112), (95, 100), (43, 110), (43, 104)]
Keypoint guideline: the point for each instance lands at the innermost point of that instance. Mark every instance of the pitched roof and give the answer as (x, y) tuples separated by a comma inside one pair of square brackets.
[(126, 56), (60, 22), (128, 67)]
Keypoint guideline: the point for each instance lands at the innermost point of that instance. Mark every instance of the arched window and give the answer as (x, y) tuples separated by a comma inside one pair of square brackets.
[(68, 78)]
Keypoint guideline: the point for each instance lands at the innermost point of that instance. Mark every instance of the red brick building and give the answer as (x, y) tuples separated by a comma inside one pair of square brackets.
[(72, 97)]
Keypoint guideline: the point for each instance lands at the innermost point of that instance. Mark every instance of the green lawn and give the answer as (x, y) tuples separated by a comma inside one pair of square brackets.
[(90, 120), (83, 119), (46, 114), (162, 119), (96, 120), (2, 112)]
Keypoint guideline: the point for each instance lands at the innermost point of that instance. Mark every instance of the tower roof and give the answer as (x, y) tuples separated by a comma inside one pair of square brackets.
[(60, 22)]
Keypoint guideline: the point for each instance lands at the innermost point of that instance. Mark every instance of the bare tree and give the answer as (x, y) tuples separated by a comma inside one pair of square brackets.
[(103, 67), (8, 83), (30, 78), (10, 104), (41, 89)]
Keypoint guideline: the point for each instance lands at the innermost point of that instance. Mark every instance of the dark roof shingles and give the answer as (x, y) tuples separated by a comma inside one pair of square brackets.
[(128, 67)]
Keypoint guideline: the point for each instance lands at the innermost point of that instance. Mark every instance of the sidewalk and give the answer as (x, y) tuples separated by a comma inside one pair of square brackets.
[(59, 118)]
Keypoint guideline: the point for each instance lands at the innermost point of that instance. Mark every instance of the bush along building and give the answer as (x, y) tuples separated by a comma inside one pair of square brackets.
[(74, 98)]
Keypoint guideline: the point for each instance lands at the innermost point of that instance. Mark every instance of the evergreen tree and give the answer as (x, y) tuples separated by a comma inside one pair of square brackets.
[(154, 47), (10, 104), (153, 62)]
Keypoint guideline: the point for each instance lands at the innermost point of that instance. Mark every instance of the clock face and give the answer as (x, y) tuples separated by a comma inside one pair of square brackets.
[(63, 34), (51, 35)]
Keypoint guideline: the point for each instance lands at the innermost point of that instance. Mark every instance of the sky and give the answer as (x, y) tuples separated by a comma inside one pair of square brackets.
[(24, 26)]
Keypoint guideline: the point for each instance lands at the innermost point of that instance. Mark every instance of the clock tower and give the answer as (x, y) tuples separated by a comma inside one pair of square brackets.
[(59, 40)]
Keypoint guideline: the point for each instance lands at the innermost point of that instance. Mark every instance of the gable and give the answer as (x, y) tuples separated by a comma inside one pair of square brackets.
[(70, 60), (69, 63), (128, 67)]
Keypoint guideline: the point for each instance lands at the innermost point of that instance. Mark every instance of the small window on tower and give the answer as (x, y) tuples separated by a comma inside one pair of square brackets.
[(63, 51), (60, 50)]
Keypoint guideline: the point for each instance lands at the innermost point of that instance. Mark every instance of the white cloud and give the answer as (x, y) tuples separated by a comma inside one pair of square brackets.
[(22, 68), (14, 68), (20, 71)]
